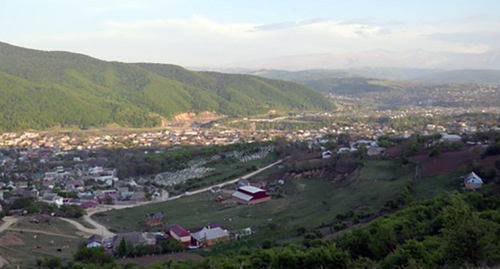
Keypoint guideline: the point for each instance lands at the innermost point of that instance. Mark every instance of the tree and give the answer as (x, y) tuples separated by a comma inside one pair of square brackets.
[(72, 211), (94, 256), (123, 249), (434, 152), (52, 262), (436, 136)]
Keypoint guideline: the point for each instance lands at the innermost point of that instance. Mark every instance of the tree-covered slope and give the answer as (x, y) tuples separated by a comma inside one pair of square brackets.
[(42, 89)]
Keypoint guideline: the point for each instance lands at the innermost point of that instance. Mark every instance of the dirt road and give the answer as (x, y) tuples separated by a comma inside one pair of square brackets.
[(99, 229), (7, 222)]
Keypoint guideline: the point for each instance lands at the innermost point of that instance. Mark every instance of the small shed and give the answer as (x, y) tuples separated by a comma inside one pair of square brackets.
[(472, 181)]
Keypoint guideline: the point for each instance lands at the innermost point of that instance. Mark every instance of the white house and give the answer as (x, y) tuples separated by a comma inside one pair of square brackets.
[(472, 181)]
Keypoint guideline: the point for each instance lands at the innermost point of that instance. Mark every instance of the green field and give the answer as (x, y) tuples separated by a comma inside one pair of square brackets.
[(24, 245), (303, 202), (429, 187)]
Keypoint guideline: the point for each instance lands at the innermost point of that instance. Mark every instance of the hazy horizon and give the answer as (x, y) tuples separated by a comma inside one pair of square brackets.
[(227, 33)]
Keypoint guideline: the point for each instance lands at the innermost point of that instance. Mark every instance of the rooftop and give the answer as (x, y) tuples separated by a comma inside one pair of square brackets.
[(250, 189), (179, 231)]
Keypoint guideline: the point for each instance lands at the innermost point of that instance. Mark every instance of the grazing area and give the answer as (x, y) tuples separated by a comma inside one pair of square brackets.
[(431, 186), (48, 238), (302, 202)]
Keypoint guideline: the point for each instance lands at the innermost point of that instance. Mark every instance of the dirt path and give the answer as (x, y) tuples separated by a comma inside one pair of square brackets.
[(99, 229), (42, 232), (7, 222)]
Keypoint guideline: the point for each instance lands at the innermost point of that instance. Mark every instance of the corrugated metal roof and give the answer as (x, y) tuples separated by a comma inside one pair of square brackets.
[(209, 234), (251, 189), (242, 196)]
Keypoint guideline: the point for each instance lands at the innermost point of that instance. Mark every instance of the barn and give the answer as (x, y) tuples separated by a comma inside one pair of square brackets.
[(250, 195)]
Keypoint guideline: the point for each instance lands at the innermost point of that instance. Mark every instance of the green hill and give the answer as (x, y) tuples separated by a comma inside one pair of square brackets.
[(41, 89)]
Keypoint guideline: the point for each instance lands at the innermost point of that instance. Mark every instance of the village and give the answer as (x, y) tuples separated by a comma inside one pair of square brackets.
[(69, 169), (177, 238)]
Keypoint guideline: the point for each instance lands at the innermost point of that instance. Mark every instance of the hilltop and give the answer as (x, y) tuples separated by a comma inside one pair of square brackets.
[(40, 89)]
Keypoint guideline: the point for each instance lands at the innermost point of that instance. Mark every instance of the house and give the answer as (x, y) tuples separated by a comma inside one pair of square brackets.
[(95, 241), (472, 181), (134, 239), (181, 235), (154, 219), (326, 154), (209, 236), (450, 138), (53, 198), (250, 195), (21, 185), (137, 196)]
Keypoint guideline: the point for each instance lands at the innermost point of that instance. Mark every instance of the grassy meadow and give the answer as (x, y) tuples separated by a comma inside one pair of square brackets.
[(303, 202)]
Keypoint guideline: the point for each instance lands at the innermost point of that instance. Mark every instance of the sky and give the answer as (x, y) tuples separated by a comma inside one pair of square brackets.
[(210, 33)]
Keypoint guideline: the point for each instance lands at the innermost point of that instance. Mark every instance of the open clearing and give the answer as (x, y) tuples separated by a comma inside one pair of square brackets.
[(52, 238), (302, 202)]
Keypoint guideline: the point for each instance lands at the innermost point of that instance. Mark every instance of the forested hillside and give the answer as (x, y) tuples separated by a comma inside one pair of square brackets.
[(43, 89)]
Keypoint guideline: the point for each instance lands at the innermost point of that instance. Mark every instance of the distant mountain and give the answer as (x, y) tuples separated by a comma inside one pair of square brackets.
[(379, 59), (41, 89)]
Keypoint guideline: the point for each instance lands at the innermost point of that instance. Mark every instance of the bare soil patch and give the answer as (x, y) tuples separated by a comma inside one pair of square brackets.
[(10, 239), (446, 162), (489, 161)]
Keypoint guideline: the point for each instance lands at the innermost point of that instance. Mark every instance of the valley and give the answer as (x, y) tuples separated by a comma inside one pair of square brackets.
[(152, 158)]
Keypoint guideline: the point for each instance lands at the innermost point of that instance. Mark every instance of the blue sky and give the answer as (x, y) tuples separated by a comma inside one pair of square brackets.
[(215, 33)]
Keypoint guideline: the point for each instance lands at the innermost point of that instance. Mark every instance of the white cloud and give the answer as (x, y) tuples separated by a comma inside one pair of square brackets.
[(197, 41)]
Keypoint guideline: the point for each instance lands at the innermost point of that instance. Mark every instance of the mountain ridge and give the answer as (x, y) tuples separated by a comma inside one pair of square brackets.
[(40, 89)]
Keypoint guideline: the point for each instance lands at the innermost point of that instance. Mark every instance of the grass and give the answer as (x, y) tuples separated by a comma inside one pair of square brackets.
[(304, 203), (380, 169), (431, 186), (224, 170), (63, 243)]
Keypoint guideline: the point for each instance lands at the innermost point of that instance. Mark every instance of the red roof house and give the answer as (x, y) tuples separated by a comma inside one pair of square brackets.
[(181, 235), (250, 195)]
